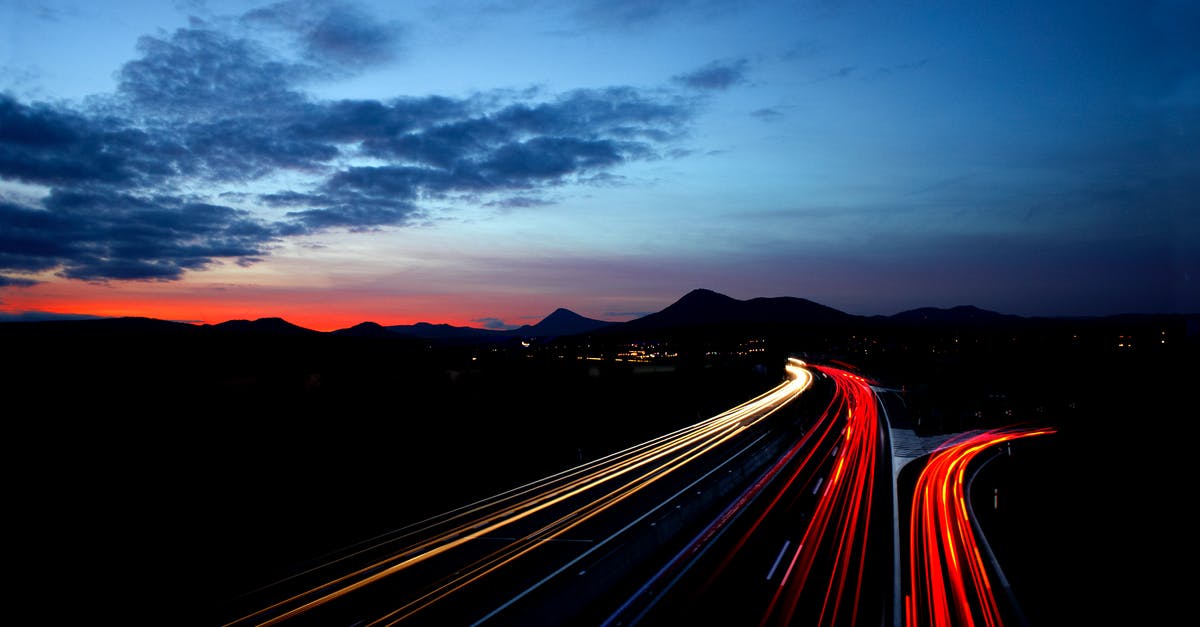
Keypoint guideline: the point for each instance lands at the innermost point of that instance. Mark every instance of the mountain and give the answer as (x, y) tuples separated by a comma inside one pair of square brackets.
[(702, 307), (129, 325), (427, 331), (561, 322), (267, 326), (366, 329), (962, 315)]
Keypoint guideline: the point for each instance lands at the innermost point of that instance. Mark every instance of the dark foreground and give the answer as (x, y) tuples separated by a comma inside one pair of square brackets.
[(153, 477)]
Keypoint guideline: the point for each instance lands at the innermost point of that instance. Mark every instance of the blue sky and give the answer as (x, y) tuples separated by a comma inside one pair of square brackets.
[(486, 162)]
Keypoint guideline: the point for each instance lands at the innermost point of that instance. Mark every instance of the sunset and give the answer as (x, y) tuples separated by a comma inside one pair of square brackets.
[(481, 164), (591, 313)]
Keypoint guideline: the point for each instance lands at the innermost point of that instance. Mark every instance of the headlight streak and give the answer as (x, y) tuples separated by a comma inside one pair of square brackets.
[(835, 538), (560, 526), (638, 466), (677, 566), (947, 575)]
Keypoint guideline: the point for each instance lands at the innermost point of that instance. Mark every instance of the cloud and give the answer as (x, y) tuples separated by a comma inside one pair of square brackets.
[(203, 108), (41, 316), (100, 235), (337, 33), (495, 324), (622, 12), (49, 145), (518, 202), (717, 75), (9, 281), (201, 73), (450, 147), (767, 114), (519, 164), (633, 13)]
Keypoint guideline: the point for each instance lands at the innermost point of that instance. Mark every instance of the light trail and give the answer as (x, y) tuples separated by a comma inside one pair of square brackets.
[(947, 575), (568, 498), (824, 569)]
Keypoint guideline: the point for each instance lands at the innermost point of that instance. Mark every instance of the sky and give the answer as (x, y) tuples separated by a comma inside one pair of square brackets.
[(484, 163)]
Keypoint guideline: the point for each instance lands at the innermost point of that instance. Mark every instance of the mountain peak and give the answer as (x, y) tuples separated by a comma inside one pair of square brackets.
[(701, 307), (367, 329), (562, 321), (562, 313), (958, 314), (702, 294), (705, 300), (262, 325)]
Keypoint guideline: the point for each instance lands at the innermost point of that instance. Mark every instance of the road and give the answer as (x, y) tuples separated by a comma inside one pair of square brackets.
[(779, 511), (543, 552), (951, 580), (809, 542)]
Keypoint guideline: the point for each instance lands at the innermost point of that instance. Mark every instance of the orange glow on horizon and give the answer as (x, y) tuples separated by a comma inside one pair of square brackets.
[(317, 309)]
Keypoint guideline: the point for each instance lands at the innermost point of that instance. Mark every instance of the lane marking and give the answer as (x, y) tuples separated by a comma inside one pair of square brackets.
[(778, 558)]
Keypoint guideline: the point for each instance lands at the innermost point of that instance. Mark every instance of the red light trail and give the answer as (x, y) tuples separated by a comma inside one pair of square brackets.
[(947, 574)]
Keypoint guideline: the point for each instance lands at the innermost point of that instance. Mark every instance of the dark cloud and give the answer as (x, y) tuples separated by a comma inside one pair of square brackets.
[(251, 147), (718, 75), (520, 164), (616, 111), (518, 202), (201, 108), (43, 144), (50, 13), (201, 73), (767, 114), (357, 217), (335, 33), (632, 13), (363, 120), (41, 316), (349, 39), (11, 281), (623, 12), (495, 324), (99, 235), (456, 147)]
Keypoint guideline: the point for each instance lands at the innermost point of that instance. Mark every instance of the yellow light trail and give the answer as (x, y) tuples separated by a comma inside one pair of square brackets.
[(654, 459)]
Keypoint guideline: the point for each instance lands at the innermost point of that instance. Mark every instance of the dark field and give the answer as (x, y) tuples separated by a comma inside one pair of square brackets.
[(158, 473)]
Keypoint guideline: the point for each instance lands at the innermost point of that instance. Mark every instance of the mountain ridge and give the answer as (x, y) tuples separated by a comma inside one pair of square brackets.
[(696, 309)]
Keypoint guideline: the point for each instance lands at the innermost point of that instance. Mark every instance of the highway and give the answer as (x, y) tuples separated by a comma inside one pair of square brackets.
[(948, 574), (808, 542), (774, 512), (543, 552)]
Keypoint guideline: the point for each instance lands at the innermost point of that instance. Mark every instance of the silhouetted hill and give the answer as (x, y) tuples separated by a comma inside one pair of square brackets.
[(702, 307), (561, 322), (270, 445), (962, 314), (274, 326), (428, 331), (125, 325), (132, 324), (366, 329)]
